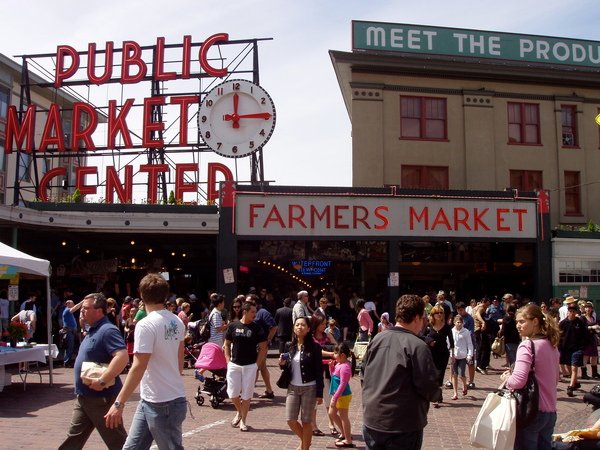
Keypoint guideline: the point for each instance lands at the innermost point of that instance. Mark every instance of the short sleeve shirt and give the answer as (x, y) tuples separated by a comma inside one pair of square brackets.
[(245, 339), (103, 339)]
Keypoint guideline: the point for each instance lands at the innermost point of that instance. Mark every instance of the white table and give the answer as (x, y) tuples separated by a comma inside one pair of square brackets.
[(9, 355)]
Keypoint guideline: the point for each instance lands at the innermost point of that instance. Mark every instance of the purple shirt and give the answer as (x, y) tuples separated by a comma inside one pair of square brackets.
[(546, 371)]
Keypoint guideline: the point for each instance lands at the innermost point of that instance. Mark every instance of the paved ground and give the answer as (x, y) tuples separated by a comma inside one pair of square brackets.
[(39, 417)]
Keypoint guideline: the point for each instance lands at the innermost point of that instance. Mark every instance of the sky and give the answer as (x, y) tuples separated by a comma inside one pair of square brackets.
[(312, 141)]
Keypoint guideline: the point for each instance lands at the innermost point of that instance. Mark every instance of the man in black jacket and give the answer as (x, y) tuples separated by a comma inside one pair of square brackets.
[(400, 380), (573, 337)]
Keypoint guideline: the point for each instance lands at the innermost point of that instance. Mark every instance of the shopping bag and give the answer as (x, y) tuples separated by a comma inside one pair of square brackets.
[(498, 347), (496, 426)]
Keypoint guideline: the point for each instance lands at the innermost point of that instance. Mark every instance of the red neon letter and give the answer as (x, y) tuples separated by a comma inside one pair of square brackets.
[(150, 125), (213, 169), (80, 174), (253, 214), (478, 219), (186, 57), (360, 215), (202, 56), (424, 216), (296, 214), (159, 62), (153, 171), (520, 213), (43, 187), (132, 56), (85, 134), (180, 185), (25, 131), (184, 102), (500, 219), (113, 183), (62, 73), (461, 217), (108, 63), (385, 221), (53, 123), (117, 123)]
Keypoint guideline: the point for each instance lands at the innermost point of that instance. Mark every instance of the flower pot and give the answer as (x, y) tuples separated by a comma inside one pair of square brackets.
[(13, 343)]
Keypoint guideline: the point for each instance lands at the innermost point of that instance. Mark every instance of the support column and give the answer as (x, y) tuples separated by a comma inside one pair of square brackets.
[(227, 264)]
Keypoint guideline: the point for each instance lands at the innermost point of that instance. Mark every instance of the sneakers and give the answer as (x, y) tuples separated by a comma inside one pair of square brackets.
[(199, 376), (471, 385), (449, 384), (267, 395)]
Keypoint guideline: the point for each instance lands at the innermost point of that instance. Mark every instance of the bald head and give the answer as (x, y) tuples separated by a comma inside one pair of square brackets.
[(69, 303)]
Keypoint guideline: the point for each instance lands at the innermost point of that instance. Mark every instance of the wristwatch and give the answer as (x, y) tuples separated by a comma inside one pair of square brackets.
[(102, 382), (117, 404)]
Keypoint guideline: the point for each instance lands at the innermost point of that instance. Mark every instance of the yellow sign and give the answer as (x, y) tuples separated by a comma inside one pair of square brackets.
[(597, 119)]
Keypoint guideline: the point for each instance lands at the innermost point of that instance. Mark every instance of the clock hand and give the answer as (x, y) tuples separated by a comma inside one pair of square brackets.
[(236, 117), (236, 120)]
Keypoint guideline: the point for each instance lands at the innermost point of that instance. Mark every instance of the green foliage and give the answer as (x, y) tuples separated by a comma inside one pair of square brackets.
[(77, 197), (172, 200), (590, 227)]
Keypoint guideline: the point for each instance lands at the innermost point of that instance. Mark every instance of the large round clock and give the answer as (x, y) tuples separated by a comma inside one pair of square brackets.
[(236, 118)]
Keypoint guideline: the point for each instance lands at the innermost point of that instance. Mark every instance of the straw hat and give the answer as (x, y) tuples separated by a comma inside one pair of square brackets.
[(570, 299)]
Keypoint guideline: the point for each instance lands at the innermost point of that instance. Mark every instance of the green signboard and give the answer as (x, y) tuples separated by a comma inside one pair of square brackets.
[(406, 38)]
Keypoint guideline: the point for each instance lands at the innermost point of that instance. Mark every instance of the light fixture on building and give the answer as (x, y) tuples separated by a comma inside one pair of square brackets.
[(63, 243), (132, 260), (132, 242), (517, 263), (87, 251), (149, 250)]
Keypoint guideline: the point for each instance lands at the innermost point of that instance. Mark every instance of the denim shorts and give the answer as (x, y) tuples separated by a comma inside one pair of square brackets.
[(572, 358)]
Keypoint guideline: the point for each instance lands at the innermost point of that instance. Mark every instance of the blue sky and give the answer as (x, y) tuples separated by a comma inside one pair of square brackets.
[(311, 144)]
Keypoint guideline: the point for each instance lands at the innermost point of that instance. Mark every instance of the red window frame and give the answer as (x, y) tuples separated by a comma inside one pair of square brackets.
[(568, 120), (527, 180), (423, 118), (424, 177), (523, 123), (572, 193)]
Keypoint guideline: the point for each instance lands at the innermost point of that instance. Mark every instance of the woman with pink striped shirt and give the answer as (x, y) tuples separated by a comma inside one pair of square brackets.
[(365, 323), (541, 332)]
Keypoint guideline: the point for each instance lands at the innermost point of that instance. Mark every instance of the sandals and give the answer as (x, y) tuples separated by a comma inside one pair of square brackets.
[(317, 432), (464, 391), (235, 422), (344, 444), (243, 427), (334, 432), (455, 397)]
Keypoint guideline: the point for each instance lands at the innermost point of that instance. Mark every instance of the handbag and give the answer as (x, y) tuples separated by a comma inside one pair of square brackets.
[(284, 379), (498, 347), (495, 425), (528, 397)]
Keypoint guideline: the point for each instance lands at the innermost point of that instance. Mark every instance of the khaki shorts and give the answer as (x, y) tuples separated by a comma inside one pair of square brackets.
[(300, 399)]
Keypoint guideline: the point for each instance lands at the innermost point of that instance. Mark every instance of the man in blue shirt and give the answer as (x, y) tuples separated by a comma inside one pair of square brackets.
[(103, 344), (68, 330)]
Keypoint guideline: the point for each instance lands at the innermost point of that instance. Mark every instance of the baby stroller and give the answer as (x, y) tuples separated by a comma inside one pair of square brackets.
[(192, 344), (212, 359)]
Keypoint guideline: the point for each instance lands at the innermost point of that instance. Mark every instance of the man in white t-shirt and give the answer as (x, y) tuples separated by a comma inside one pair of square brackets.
[(157, 367)]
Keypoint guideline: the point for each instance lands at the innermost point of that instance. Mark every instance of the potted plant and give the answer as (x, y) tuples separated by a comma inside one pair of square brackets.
[(16, 332)]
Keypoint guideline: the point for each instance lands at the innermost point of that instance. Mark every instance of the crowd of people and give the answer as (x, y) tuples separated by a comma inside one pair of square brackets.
[(314, 333)]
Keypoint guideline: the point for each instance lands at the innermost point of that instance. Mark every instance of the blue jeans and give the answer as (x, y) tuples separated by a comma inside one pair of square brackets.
[(378, 440), (69, 347), (538, 434), (160, 422)]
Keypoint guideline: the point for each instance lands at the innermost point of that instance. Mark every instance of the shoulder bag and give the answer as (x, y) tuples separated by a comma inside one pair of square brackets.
[(205, 330), (528, 397), (498, 347)]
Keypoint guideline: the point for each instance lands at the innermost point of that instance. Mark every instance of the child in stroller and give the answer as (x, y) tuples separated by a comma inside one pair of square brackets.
[(193, 343), (212, 358)]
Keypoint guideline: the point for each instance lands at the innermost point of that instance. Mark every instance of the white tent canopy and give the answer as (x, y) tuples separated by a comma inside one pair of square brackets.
[(25, 263)]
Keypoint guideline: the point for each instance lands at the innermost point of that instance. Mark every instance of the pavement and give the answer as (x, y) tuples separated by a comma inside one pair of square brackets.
[(39, 417)]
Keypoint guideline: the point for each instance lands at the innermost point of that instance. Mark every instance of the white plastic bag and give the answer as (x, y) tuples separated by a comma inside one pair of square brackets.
[(496, 426)]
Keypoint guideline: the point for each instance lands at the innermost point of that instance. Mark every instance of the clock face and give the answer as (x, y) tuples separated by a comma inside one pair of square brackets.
[(236, 118)]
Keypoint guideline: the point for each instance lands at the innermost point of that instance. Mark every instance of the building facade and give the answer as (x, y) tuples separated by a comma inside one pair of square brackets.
[(439, 108)]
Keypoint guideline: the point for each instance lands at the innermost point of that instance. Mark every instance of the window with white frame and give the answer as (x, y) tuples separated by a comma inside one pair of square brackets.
[(570, 272)]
